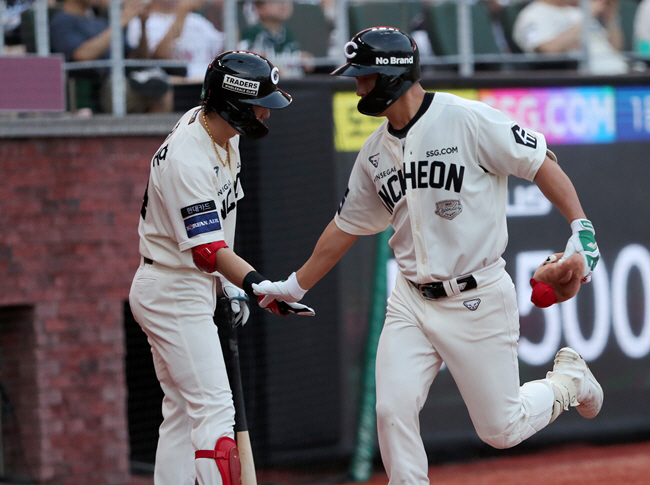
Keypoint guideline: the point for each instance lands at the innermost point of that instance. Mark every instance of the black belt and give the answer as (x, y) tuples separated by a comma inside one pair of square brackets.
[(147, 260), (436, 290)]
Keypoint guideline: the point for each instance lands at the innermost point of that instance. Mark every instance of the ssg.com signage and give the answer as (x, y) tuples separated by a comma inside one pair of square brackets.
[(566, 116)]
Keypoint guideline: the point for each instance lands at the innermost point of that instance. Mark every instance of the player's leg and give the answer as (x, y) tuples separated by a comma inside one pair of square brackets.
[(480, 350), (185, 337), (175, 453), (406, 365)]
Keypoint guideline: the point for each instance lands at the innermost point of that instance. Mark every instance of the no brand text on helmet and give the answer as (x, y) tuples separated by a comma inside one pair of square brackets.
[(383, 61)]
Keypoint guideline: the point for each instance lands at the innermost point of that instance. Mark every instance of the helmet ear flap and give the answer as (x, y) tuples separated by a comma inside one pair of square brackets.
[(387, 90)]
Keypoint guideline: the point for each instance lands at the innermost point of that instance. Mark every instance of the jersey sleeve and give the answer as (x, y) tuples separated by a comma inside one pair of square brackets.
[(504, 147), (191, 204), (361, 211)]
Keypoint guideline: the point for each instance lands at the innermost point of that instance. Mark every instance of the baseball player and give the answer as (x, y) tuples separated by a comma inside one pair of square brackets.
[(436, 170), (187, 229)]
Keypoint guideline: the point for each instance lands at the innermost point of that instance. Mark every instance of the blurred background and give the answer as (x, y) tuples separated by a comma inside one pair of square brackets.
[(78, 127)]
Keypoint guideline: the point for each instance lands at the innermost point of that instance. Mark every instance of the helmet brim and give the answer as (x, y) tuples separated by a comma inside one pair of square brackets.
[(278, 99), (354, 70)]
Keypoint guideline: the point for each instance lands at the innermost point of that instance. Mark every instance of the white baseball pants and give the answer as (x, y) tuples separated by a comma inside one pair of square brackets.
[(175, 309), (480, 350)]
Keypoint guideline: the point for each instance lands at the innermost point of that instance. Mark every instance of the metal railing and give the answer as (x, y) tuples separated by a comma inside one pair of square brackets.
[(465, 61)]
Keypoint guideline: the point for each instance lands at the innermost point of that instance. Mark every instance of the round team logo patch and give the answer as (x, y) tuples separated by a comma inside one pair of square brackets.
[(448, 209)]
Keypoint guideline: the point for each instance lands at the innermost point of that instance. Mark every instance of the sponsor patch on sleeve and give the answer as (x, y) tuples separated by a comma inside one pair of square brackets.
[(524, 138), (199, 208), (202, 223)]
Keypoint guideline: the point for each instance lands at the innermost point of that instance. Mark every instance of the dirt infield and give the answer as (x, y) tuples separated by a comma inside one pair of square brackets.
[(622, 464)]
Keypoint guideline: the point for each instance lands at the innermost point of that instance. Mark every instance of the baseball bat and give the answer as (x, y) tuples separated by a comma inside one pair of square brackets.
[(243, 439)]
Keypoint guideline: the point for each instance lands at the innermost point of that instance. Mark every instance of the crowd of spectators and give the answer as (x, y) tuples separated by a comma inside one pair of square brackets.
[(192, 31), (175, 30), (81, 32)]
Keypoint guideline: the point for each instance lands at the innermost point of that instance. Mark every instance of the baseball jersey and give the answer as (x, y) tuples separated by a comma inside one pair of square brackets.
[(191, 198), (442, 186)]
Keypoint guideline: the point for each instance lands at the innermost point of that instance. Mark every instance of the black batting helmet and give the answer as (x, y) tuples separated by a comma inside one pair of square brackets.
[(235, 81), (389, 52)]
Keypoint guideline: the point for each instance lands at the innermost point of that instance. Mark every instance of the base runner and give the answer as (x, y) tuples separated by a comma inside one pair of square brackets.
[(436, 170)]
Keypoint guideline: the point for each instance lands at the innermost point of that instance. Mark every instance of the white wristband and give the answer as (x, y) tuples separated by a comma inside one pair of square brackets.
[(578, 225), (294, 288)]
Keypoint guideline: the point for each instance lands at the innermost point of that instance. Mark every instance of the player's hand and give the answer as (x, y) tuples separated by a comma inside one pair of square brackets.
[(238, 302), (289, 290), (583, 242), (284, 308)]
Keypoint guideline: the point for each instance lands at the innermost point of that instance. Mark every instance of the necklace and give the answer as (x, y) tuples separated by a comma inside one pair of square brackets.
[(214, 143)]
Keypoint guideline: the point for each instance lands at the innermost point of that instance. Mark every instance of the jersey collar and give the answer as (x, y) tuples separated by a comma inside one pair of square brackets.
[(426, 102)]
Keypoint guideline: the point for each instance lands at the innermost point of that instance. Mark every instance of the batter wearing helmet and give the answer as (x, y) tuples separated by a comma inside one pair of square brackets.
[(187, 230), (453, 301)]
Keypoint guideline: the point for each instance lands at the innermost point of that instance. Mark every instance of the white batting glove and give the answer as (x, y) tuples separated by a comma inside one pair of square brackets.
[(583, 242), (289, 290), (238, 301)]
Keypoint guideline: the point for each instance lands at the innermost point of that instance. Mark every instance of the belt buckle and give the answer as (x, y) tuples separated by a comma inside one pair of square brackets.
[(428, 291)]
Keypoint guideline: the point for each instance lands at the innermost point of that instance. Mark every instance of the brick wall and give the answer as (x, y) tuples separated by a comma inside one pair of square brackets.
[(68, 251)]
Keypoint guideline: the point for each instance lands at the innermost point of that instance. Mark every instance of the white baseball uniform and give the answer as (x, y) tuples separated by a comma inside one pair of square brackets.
[(191, 199), (441, 182)]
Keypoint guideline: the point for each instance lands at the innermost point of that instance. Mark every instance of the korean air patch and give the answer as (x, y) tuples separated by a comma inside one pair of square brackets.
[(202, 223)]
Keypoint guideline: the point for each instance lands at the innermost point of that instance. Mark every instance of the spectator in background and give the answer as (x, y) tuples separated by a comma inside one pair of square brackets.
[(555, 27), (81, 35), (174, 30), (495, 9), (271, 38), (642, 28), (11, 21)]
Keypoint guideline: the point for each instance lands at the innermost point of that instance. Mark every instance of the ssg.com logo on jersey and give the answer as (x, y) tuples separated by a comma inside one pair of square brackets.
[(393, 61), (239, 85)]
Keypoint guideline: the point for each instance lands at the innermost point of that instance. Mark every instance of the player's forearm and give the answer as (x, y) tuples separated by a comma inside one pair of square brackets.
[(232, 267), (330, 248), (559, 190)]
